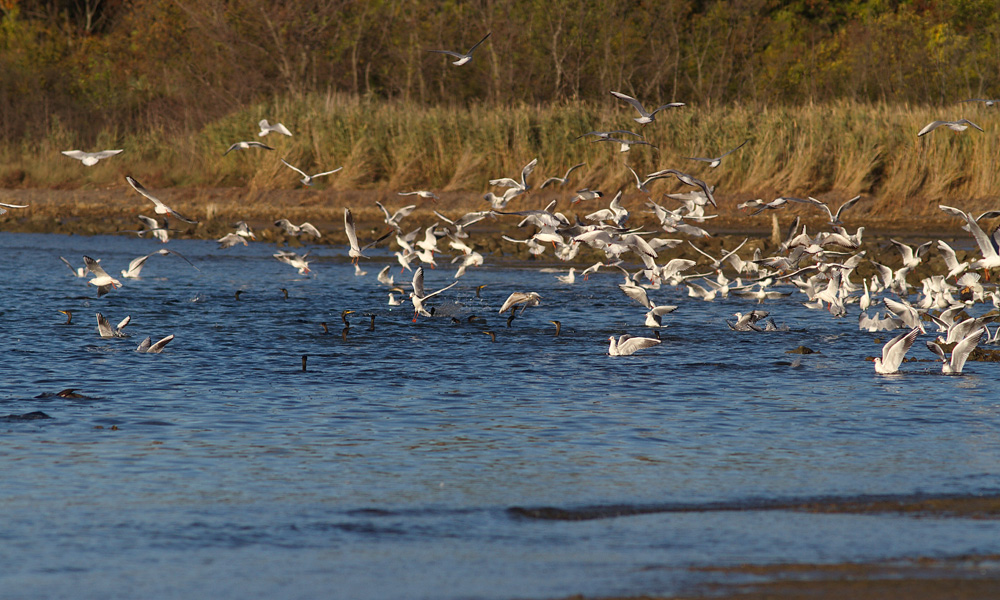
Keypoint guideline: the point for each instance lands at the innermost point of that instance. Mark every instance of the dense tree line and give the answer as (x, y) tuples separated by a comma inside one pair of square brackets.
[(94, 65)]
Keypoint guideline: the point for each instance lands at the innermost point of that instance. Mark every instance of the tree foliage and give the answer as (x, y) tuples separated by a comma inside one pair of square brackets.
[(91, 65)]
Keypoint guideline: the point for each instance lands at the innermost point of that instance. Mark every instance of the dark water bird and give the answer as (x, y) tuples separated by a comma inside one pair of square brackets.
[(69, 393), (343, 317), (69, 316), (493, 336), (305, 357), (237, 294), (656, 334), (285, 292), (325, 328), (479, 288), (558, 327), (474, 318), (344, 332), (371, 324), (32, 416), (510, 319)]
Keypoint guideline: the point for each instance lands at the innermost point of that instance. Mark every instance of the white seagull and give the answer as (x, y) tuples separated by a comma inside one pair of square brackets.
[(105, 330), (714, 162), (245, 146), (4, 206), (101, 279), (421, 193), (90, 159), (418, 297), (521, 186), (159, 207), (959, 125), (894, 351), (463, 58), (136, 265), (306, 178), (266, 128), (627, 345), (644, 116), (960, 354), (561, 180), (291, 229)]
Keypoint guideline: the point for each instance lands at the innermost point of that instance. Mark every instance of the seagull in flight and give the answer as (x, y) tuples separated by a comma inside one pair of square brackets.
[(291, 229), (4, 206), (418, 295), (422, 193), (463, 58), (959, 125), (246, 146), (714, 162), (136, 265), (561, 180), (266, 128), (689, 180), (90, 159), (521, 186), (645, 116), (960, 354), (306, 178), (101, 279), (161, 208)]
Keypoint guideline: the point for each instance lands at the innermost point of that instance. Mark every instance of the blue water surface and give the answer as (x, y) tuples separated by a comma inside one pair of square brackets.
[(390, 467)]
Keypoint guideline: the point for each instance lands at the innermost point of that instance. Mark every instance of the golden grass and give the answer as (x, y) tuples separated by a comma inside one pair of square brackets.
[(838, 149)]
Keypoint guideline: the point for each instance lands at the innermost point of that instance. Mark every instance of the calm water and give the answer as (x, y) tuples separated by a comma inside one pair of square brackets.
[(389, 468)]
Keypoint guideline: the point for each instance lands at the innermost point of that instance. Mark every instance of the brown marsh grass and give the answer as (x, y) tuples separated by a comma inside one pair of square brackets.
[(835, 149)]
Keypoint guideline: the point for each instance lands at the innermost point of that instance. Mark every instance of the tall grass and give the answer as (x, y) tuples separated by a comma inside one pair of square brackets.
[(839, 149)]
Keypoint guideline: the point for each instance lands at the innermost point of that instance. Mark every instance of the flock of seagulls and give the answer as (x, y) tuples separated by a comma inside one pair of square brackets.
[(823, 266)]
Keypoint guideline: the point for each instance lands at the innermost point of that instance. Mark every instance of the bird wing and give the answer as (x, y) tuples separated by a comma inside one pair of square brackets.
[(930, 127), (418, 282), (310, 229), (352, 236), (936, 349), (894, 351), (970, 123), (449, 53), (845, 206), (960, 353), (571, 169), (324, 173), (104, 326), (142, 190), (473, 48), (735, 149), (634, 344), (94, 266), (445, 288), (635, 103), (296, 169), (158, 346), (528, 168), (636, 293), (135, 266)]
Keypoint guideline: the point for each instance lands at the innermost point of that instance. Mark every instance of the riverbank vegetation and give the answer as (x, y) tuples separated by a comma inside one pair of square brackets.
[(830, 95)]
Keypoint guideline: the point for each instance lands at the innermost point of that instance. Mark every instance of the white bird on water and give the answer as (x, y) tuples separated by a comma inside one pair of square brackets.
[(90, 159), (418, 295), (627, 345), (147, 348), (644, 115), (463, 58), (894, 351), (960, 354)]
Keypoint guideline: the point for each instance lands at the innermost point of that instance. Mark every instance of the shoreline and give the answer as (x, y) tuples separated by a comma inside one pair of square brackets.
[(114, 210), (962, 577)]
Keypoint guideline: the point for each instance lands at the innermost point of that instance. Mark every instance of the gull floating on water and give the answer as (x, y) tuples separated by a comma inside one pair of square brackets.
[(644, 115), (953, 365), (105, 330), (159, 207), (90, 159), (246, 146), (147, 348), (306, 178), (266, 128), (627, 345), (894, 351), (463, 58)]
